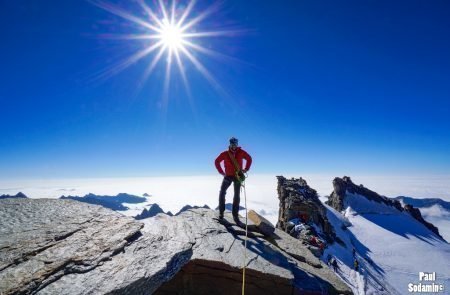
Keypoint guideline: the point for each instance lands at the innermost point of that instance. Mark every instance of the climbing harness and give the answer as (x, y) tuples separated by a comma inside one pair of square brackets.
[(238, 173)]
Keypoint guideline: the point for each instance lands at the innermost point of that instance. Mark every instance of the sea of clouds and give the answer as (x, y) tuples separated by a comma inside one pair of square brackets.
[(172, 193)]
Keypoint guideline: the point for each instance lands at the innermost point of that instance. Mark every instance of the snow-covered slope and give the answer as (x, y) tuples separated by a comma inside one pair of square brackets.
[(392, 248)]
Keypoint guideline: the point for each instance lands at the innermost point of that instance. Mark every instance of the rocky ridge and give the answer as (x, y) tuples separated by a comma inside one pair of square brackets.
[(343, 186), (68, 247)]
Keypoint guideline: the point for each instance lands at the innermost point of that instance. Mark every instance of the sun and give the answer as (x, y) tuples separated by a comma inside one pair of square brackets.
[(171, 35), (169, 30)]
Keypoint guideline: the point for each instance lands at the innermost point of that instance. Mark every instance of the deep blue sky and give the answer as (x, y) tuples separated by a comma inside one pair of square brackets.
[(339, 87)]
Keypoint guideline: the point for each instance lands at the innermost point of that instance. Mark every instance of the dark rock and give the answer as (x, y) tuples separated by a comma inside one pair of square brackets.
[(299, 201), (19, 195), (111, 202), (229, 207), (415, 213), (189, 207), (152, 211)]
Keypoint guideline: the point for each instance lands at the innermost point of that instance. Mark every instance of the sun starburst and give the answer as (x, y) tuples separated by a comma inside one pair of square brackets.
[(172, 33)]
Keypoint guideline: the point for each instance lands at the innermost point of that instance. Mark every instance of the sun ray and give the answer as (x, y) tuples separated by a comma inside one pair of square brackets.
[(113, 70), (203, 49), (163, 10), (172, 14), (208, 76), (182, 72), (171, 32), (123, 14), (186, 85), (150, 12), (165, 98), (186, 13), (212, 53), (151, 67), (130, 36), (230, 33), (199, 18)]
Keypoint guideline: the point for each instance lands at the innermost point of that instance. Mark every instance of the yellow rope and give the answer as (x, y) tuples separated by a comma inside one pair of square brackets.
[(245, 243)]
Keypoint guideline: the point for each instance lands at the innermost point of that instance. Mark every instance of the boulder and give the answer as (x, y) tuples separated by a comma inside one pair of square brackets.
[(263, 225)]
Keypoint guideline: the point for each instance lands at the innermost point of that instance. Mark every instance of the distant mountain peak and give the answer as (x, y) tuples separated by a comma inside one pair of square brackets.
[(111, 202), (347, 194), (423, 202), (150, 212), (19, 195), (189, 207), (345, 185)]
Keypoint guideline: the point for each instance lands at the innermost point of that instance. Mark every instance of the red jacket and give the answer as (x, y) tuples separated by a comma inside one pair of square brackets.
[(239, 155)]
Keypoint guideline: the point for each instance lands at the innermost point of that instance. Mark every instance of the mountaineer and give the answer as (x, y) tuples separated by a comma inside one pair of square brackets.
[(233, 162)]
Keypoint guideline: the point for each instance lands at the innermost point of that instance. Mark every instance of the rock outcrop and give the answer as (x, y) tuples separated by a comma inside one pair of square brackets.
[(343, 186), (68, 247), (301, 204)]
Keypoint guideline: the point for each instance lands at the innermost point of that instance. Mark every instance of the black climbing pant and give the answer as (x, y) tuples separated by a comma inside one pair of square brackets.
[(227, 180)]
